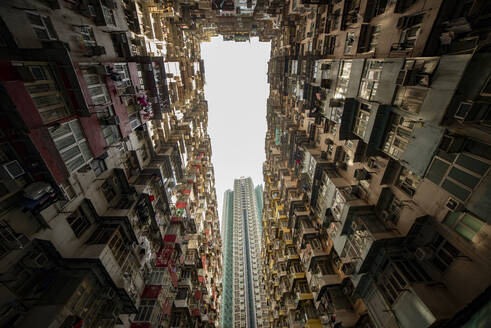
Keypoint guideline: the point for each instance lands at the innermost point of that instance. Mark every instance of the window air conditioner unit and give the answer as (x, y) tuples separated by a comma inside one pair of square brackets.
[(12, 169)]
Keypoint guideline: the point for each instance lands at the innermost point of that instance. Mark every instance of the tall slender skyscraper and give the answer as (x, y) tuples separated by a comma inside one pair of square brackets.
[(244, 300)]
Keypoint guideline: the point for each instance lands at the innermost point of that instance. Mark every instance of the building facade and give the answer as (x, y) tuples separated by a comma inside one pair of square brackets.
[(244, 302), (108, 212), (375, 210)]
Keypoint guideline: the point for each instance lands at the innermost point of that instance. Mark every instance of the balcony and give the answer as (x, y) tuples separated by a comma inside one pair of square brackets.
[(182, 298), (314, 250)]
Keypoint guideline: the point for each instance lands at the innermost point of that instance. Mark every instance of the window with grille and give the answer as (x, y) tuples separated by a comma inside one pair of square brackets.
[(44, 91), (361, 120), (96, 86), (343, 79), (108, 16), (398, 135), (445, 253), (81, 219), (349, 43), (87, 35), (145, 311), (369, 82), (72, 145), (42, 26), (118, 248)]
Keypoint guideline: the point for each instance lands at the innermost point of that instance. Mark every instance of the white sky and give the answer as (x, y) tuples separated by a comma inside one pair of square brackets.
[(236, 89)]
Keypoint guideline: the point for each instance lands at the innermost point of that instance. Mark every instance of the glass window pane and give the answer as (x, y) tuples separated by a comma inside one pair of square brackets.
[(84, 146), (455, 189), (41, 33), (64, 142), (472, 222), (45, 101), (437, 171), (77, 130), (75, 164), (452, 218), (463, 177), (60, 131), (464, 231), (34, 19), (70, 153), (472, 164)]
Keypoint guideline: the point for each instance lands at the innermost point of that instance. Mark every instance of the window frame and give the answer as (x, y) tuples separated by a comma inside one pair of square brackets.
[(453, 164), (77, 144), (47, 26)]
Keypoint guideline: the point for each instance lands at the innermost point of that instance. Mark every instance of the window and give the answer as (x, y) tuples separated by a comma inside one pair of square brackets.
[(81, 219), (408, 182), (44, 91), (398, 135), (350, 41), (464, 224), (96, 86), (42, 27), (459, 174), (109, 131), (392, 284), (109, 189), (374, 37), (118, 248), (343, 79), (87, 35), (98, 166), (145, 311), (361, 120), (444, 253), (70, 141), (101, 235), (108, 16), (369, 83), (122, 69), (335, 19)]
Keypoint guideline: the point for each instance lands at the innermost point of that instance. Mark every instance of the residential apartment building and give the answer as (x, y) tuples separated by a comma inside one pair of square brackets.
[(244, 301), (377, 164), (108, 213)]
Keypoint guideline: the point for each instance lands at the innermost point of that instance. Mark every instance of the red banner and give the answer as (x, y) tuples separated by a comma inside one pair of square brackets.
[(181, 204)]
